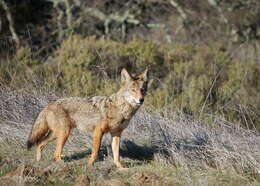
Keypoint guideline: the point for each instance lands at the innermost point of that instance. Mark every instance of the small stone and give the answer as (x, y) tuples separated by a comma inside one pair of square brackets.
[(82, 180)]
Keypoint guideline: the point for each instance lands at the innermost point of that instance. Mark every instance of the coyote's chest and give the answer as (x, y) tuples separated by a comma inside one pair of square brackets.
[(119, 118), (118, 125), (124, 124)]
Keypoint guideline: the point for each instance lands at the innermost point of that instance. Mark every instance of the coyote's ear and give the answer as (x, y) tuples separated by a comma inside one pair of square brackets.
[(125, 76), (144, 75)]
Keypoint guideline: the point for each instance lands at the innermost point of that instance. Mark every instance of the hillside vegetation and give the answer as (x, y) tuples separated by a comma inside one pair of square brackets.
[(206, 82)]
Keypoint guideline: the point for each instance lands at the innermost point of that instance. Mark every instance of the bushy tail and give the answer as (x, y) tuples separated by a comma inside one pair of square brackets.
[(39, 130)]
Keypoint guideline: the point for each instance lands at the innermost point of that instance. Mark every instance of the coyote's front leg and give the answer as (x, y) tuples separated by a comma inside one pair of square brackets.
[(97, 137), (115, 149)]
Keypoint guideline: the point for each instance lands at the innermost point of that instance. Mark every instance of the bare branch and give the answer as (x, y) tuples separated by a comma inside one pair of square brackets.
[(179, 9), (216, 5), (11, 22), (68, 13)]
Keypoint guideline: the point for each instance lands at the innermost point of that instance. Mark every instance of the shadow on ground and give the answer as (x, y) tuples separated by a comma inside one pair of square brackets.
[(133, 151), (128, 149), (77, 156)]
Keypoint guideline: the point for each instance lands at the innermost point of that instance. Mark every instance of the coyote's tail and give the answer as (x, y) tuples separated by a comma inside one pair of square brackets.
[(39, 129)]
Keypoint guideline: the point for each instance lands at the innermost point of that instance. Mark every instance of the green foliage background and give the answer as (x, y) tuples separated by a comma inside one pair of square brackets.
[(199, 80)]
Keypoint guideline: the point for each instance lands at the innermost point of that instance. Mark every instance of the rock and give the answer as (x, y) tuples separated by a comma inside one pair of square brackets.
[(146, 178), (17, 177), (55, 168), (82, 180), (8, 182), (114, 182), (22, 170)]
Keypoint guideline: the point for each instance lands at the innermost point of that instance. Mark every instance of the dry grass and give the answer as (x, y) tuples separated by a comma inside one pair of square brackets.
[(167, 145)]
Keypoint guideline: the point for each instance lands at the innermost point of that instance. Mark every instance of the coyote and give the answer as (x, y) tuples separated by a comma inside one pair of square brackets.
[(99, 114)]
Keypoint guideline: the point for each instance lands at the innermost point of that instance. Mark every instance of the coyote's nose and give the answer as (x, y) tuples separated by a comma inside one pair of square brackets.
[(141, 100)]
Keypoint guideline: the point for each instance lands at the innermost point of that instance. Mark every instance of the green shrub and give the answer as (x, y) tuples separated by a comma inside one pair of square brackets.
[(201, 81)]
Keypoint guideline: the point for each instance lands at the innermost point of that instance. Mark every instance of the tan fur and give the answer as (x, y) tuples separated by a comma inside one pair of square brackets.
[(98, 114)]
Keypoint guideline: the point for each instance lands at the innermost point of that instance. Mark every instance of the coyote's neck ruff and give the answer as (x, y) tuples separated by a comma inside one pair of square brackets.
[(99, 114)]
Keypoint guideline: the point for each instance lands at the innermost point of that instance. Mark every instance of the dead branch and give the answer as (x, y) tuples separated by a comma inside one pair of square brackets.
[(179, 9), (11, 22)]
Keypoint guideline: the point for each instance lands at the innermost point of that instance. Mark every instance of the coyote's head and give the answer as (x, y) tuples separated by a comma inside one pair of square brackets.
[(134, 89)]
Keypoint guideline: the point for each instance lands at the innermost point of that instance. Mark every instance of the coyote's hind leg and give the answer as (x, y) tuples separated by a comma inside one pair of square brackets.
[(50, 137), (62, 137)]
